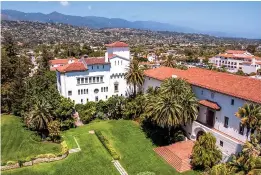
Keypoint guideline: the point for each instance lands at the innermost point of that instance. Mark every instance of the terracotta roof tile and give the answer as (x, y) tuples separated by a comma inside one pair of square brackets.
[(210, 104), (73, 67), (95, 60), (117, 44), (233, 85), (236, 51), (61, 61)]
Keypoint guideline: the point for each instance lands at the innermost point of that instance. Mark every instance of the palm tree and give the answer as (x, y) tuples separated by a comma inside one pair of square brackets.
[(134, 75), (190, 108), (250, 115), (40, 116), (169, 61)]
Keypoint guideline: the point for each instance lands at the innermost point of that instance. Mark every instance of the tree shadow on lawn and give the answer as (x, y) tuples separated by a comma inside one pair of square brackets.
[(160, 136)]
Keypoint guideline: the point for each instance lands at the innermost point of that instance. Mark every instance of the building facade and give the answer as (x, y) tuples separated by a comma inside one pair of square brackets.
[(235, 60), (94, 79), (219, 95)]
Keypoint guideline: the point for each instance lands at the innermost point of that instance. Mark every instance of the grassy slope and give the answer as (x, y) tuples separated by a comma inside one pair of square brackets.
[(131, 143), (16, 142)]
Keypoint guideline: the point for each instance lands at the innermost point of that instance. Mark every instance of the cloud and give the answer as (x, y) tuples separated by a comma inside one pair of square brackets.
[(89, 7), (64, 3)]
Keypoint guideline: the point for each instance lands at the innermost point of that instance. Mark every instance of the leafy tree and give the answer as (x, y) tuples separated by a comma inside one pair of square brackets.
[(87, 111), (134, 108), (248, 159), (169, 61), (240, 72), (220, 169), (251, 48), (54, 130), (135, 75), (205, 153), (250, 115), (115, 107), (39, 117)]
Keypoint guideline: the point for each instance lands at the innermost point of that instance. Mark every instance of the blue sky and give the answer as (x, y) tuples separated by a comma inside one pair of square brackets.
[(232, 17)]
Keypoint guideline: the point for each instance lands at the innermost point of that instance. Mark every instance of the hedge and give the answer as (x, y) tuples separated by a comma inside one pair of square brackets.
[(107, 145)]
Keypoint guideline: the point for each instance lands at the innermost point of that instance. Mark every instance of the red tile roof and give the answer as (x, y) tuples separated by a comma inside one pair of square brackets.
[(236, 51), (73, 67), (233, 85), (111, 55), (209, 104), (95, 60), (117, 44), (61, 61)]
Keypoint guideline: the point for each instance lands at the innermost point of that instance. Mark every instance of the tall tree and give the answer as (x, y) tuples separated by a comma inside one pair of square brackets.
[(250, 115), (169, 61), (205, 153), (134, 75)]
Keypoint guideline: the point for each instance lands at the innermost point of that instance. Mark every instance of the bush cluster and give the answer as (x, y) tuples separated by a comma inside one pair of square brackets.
[(107, 145), (64, 150)]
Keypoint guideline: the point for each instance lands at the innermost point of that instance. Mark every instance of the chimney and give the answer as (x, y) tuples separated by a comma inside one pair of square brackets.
[(174, 76)]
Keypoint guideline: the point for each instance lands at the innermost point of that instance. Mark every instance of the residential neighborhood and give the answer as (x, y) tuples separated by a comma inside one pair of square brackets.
[(83, 93)]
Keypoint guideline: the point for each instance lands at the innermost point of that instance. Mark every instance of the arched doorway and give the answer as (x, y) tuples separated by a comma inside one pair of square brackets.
[(200, 133)]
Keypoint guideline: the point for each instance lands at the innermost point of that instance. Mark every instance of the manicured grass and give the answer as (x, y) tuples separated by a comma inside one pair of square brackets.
[(127, 138), (17, 142)]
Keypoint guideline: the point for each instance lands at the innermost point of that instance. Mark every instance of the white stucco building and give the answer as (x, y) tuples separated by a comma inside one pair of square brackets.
[(94, 79), (235, 60), (219, 95)]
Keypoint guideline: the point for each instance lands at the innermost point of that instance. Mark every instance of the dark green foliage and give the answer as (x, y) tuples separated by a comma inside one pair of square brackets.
[(205, 153), (107, 145), (86, 111), (134, 107)]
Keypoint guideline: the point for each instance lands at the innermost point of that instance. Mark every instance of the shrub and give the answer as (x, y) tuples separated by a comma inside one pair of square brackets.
[(3, 163), (65, 148), (11, 162), (20, 162), (54, 130), (205, 153), (107, 145), (178, 136)]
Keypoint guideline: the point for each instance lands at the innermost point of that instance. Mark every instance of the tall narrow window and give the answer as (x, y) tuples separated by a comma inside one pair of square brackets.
[(84, 91), (82, 101), (212, 94), (69, 93), (93, 79), (87, 91), (92, 67), (82, 80), (226, 122), (90, 80), (241, 129), (232, 101), (121, 62), (97, 67), (106, 89), (115, 63), (86, 80), (98, 79), (79, 92), (78, 80), (102, 79), (116, 88), (96, 98), (118, 62), (103, 66), (101, 89)]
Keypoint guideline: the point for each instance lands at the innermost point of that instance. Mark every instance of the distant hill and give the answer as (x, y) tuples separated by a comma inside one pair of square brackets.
[(102, 22)]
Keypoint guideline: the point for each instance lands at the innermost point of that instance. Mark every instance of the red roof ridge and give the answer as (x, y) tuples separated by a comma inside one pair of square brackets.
[(117, 44), (234, 85), (76, 66)]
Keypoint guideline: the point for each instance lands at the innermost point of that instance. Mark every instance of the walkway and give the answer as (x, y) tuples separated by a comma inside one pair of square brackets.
[(177, 154), (118, 166)]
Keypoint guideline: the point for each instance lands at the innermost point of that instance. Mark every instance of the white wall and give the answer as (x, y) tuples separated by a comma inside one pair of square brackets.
[(111, 74), (224, 101), (249, 68)]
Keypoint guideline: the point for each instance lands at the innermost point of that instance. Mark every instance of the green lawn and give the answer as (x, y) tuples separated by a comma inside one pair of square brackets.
[(17, 142), (126, 137)]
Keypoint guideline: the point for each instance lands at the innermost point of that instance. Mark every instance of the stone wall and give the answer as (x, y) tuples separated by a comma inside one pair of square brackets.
[(36, 161)]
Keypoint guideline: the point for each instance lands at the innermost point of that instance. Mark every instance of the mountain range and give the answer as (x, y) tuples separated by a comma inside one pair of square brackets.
[(102, 22)]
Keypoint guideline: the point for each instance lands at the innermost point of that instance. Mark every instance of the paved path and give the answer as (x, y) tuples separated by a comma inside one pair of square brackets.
[(118, 166), (75, 150)]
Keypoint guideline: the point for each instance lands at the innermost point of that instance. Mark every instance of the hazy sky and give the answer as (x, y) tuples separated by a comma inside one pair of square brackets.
[(232, 17)]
